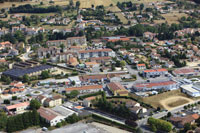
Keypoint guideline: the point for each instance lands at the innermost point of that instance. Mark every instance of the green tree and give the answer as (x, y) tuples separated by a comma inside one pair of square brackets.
[(35, 104), (138, 130), (122, 63), (26, 78), (187, 127), (45, 74), (35, 115), (58, 125), (73, 83), (3, 120), (14, 97), (153, 128), (141, 6), (71, 3), (74, 93), (6, 101), (78, 4)]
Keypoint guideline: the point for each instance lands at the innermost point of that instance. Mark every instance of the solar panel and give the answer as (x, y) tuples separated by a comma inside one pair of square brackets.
[(17, 72)]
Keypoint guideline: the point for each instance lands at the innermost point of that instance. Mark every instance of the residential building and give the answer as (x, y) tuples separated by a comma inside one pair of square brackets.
[(87, 101), (53, 101), (47, 52), (154, 72), (141, 66), (86, 54), (41, 99), (181, 121), (76, 41), (56, 43), (117, 89), (166, 85), (86, 89)]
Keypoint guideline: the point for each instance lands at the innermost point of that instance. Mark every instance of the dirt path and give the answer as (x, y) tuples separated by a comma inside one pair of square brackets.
[(174, 99)]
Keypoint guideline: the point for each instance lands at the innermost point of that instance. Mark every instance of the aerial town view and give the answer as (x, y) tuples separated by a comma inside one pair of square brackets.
[(100, 66)]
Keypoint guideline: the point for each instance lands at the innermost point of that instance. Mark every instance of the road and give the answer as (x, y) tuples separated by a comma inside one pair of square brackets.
[(25, 56)]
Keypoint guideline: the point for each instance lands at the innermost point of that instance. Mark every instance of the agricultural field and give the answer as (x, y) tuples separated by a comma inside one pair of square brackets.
[(168, 100)]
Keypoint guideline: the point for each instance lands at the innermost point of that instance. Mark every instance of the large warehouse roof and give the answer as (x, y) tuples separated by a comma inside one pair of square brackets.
[(17, 72)]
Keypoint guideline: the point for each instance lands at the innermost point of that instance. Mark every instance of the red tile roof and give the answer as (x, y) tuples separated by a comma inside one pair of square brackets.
[(141, 65)]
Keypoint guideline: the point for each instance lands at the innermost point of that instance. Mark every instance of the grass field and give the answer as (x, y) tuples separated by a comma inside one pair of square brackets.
[(177, 102), (168, 100), (122, 18), (173, 17)]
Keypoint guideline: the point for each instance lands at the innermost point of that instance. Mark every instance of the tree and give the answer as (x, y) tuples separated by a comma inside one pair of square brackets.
[(5, 79), (169, 114), (6, 101), (35, 115), (122, 63), (141, 6), (58, 125), (159, 124), (26, 78), (45, 74), (73, 94), (73, 83), (78, 4), (71, 3), (35, 104), (187, 127), (153, 128), (14, 97), (3, 120), (138, 130)]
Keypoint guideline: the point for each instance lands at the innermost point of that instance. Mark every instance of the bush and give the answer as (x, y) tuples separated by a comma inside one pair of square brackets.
[(58, 125)]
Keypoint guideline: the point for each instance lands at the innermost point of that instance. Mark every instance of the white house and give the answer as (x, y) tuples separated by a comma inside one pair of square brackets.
[(86, 54), (154, 72)]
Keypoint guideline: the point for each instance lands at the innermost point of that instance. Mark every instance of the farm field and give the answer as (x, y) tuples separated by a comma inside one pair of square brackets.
[(168, 100)]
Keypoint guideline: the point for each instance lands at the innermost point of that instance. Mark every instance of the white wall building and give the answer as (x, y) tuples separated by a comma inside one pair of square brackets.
[(86, 54), (190, 90)]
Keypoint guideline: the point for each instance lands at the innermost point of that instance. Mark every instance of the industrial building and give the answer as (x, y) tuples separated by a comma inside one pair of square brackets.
[(18, 72)]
